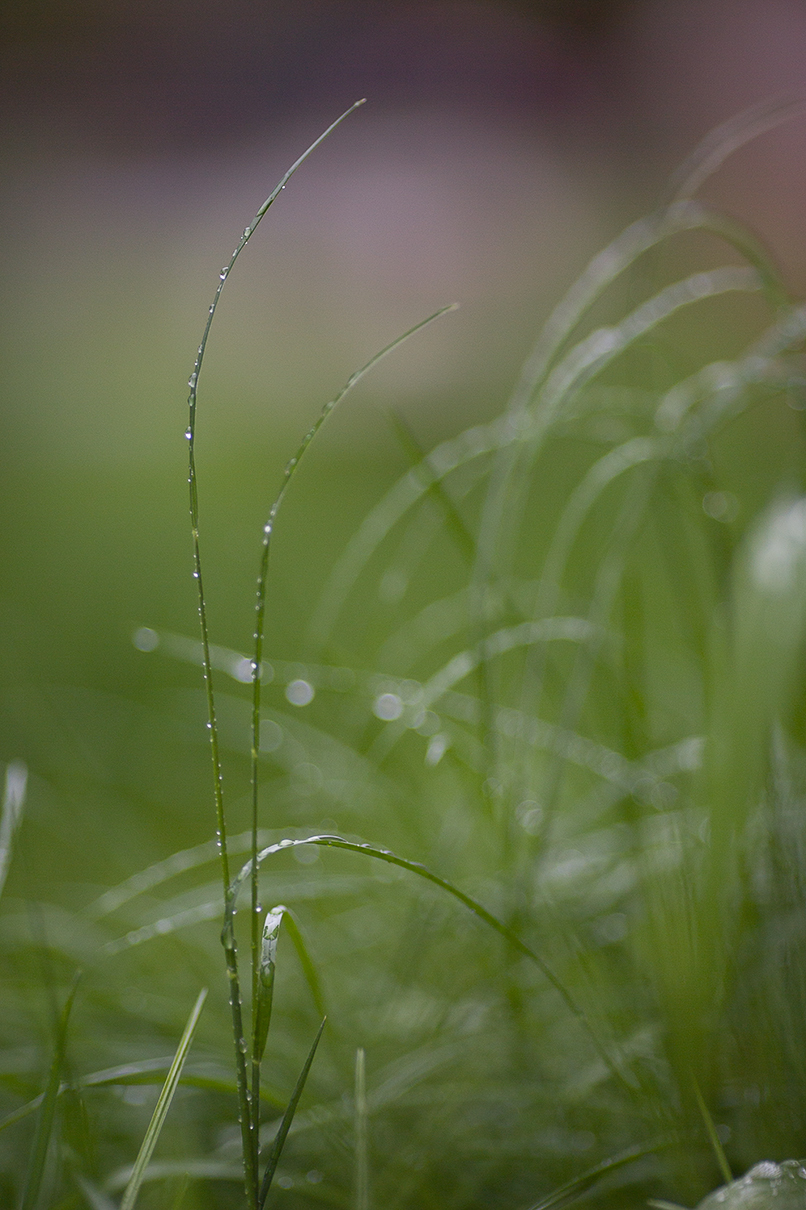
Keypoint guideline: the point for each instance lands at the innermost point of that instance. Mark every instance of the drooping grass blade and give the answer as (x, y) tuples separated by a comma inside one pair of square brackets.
[(163, 1105), (285, 1125), (415, 867)]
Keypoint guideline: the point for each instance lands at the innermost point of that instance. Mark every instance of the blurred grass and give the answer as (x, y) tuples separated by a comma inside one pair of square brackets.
[(564, 784)]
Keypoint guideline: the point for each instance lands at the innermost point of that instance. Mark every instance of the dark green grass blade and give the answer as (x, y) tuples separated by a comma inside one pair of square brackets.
[(47, 1113), (285, 1125), (713, 1137), (415, 867), (13, 803), (163, 1105), (580, 1184), (308, 968)]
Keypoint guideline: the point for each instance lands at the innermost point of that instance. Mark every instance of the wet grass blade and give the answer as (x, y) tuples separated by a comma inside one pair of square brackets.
[(260, 619), (47, 1112), (13, 803), (163, 1105), (285, 1125), (415, 867)]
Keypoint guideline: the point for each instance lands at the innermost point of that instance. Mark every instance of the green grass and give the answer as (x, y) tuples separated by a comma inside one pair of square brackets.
[(519, 811)]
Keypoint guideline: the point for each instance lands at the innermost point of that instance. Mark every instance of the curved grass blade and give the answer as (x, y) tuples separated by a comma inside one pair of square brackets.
[(163, 1105), (285, 1125), (415, 867), (721, 142), (249, 1134), (47, 1113), (260, 618), (13, 804), (580, 1184)]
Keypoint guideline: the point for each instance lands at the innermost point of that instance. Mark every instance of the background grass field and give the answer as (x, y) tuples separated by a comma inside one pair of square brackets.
[(555, 656)]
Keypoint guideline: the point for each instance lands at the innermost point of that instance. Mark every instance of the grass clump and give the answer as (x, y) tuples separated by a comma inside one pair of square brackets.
[(537, 820)]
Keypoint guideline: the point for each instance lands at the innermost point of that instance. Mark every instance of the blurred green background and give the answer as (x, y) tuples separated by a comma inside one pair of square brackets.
[(501, 146)]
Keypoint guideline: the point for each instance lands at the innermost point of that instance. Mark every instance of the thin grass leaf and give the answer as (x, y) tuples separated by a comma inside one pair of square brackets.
[(13, 804), (713, 1137), (361, 1132), (47, 1112), (580, 1184), (163, 1105), (285, 1125), (266, 968), (248, 1128), (260, 619), (308, 968), (657, 1204)]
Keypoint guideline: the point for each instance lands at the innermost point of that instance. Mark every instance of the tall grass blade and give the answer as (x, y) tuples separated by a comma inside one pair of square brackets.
[(47, 1112), (248, 1127), (361, 1133), (13, 804), (163, 1105), (713, 1137), (285, 1125), (260, 616)]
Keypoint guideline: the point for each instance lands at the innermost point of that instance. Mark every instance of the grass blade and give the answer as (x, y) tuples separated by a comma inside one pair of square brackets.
[(580, 1184), (415, 867), (718, 1149), (361, 1133), (285, 1125), (249, 1133), (163, 1105), (13, 803), (260, 618), (47, 1113), (308, 968), (721, 142), (266, 967)]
